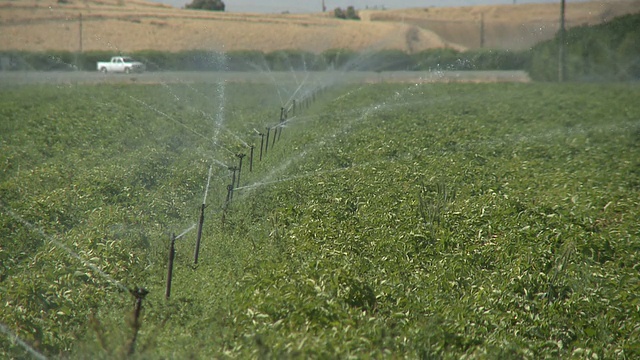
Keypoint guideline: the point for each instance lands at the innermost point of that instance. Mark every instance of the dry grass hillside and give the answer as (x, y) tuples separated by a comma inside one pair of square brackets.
[(132, 25), (513, 27), (127, 25)]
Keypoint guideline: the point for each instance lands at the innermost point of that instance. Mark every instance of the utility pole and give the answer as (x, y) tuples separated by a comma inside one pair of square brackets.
[(80, 32), (481, 30), (79, 53), (561, 48)]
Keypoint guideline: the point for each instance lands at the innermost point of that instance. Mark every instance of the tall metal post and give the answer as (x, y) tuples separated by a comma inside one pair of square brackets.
[(251, 158), (266, 145), (233, 179), (481, 30), (80, 32), (275, 135), (241, 156), (261, 144), (139, 294), (172, 254), (200, 224), (561, 46)]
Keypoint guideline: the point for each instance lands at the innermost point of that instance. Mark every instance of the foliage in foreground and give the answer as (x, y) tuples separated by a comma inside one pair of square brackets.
[(432, 221)]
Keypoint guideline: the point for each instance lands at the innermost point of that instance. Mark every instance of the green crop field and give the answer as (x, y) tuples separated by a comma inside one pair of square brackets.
[(475, 221)]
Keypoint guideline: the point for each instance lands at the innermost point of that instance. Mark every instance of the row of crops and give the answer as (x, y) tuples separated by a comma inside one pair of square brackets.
[(432, 220)]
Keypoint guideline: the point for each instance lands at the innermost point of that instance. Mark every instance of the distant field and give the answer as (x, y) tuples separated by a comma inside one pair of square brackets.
[(11, 79), (127, 26), (515, 27), (387, 220)]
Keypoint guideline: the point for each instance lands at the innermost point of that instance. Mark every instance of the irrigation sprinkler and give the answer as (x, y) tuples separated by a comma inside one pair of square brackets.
[(139, 294), (200, 224), (261, 144), (229, 195), (266, 146), (241, 156), (293, 107), (275, 135), (251, 158), (233, 179), (172, 254), (282, 120)]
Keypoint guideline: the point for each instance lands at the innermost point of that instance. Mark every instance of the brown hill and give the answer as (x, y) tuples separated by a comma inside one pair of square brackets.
[(513, 27), (137, 25), (132, 25)]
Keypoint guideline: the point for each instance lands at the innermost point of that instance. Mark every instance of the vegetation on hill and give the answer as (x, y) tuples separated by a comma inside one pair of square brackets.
[(604, 52), (213, 5), (349, 14)]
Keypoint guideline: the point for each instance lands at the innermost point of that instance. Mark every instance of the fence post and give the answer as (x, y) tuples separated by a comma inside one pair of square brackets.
[(200, 224), (261, 144), (172, 253), (251, 158), (241, 156), (266, 146), (139, 294), (275, 135)]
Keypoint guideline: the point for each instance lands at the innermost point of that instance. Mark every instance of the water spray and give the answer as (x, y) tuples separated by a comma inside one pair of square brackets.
[(201, 221), (22, 343), (282, 121), (172, 255), (65, 248)]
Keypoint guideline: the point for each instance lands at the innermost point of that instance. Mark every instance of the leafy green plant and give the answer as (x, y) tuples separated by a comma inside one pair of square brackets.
[(434, 220)]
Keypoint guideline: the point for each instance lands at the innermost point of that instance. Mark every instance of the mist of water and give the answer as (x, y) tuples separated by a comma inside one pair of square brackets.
[(206, 190), (14, 338), (66, 249), (186, 231)]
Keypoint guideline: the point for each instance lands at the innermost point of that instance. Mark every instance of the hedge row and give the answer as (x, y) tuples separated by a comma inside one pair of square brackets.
[(200, 60), (605, 52)]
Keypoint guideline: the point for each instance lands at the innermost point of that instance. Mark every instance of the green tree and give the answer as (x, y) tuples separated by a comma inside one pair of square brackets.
[(350, 13), (213, 5)]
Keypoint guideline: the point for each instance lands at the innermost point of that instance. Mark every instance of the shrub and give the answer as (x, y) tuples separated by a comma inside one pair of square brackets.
[(213, 5), (349, 14), (604, 52)]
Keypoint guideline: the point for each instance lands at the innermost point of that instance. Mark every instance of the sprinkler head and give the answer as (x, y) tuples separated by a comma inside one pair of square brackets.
[(139, 293)]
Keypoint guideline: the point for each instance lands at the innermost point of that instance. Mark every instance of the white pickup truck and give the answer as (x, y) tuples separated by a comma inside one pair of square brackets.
[(121, 64)]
